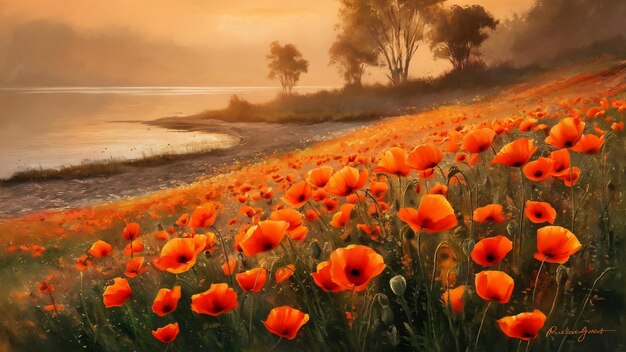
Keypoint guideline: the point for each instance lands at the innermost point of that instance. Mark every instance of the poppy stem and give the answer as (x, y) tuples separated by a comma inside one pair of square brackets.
[(276, 345), (537, 280), (528, 345), (606, 271), (451, 312), (432, 278), (428, 298), (319, 216), (250, 321), (480, 328), (571, 188), (556, 296), (519, 345), (520, 235), (219, 234)]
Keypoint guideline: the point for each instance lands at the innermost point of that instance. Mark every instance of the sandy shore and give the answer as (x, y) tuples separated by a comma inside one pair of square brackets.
[(257, 140)]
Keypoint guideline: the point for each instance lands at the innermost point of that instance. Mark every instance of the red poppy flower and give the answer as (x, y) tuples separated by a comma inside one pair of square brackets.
[(372, 231), (135, 267), (538, 170), (491, 250), (524, 326), (490, 212), (346, 181), (494, 285), (166, 301), (319, 176), (555, 244), (133, 247), (439, 189), (167, 333), (393, 162), (560, 162), (298, 194), (183, 220), (228, 268), (540, 212), (218, 299), (177, 256), (424, 157), (341, 218), (285, 321), (117, 294), (455, 297), (566, 133), (292, 216), (284, 273), (323, 279), (100, 249), (433, 214), (516, 153), (131, 231), (203, 216), (570, 177), (478, 140), (252, 280), (379, 189), (354, 266), (263, 237), (589, 144)]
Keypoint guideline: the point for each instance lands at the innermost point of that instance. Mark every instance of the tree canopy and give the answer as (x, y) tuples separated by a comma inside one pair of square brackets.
[(286, 63)]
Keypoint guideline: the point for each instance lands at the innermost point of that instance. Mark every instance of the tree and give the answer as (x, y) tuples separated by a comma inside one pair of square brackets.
[(458, 32), (395, 27), (351, 52), (286, 63)]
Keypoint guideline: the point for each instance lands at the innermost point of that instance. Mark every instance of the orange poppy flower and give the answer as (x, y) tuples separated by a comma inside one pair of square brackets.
[(298, 194), (299, 233), (555, 244), (424, 157), (439, 189), (379, 189), (311, 215), (292, 216), (167, 333), (82, 262), (100, 249), (540, 212), (218, 299), (538, 170), (516, 153), (492, 285), (393, 162), (346, 181), (263, 237), (372, 231), (478, 140), (133, 247), (131, 231), (490, 212), (617, 126), (341, 218), (228, 268), (178, 255), (491, 250), (183, 220), (460, 157), (455, 297), (166, 301), (203, 216), (319, 176), (285, 321), (135, 267), (524, 326), (560, 162), (433, 214), (589, 144), (323, 279), (566, 133), (117, 294), (570, 177), (284, 273), (252, 280), (354, 266)]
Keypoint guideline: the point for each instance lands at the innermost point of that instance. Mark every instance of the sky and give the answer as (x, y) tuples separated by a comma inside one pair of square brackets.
[(185, 42)]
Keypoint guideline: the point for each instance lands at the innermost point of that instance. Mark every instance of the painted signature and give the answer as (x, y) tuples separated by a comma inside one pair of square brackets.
[(582, 333)]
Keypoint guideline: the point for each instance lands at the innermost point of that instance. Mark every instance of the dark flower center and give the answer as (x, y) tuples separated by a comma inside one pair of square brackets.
[(490, 257), (301, 198), (538, 214), (167, 308), (568, 144), (538, 173), (183, 259), (518, 164), (268, 246), (355, 272)]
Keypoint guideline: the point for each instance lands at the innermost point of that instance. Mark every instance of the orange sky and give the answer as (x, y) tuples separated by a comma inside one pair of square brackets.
[(233, 35)]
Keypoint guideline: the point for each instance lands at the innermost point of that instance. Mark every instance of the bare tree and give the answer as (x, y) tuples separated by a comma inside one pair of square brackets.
[(351, 53), (286, 63), (458, 32), (396, 27)]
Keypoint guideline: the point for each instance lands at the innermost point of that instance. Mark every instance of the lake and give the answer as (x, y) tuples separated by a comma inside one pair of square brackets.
[(50, 127)]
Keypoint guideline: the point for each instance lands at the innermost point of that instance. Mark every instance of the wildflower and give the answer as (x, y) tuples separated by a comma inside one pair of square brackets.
[(555, 244), (100, 249), (135, 267), (589, 144), (252, 280), (494, 286), (117, 294), (566, 133), (453, 298), (433, 214), (298, 194), (490, 212), (285, 321), (394, 162), (263, 237), (167, 333), (539, 212), (284, 273), (131, 231), (323, 279), (478, 140), (523, 326), (539, 169), (319, 176), (178, 255), (424, 157), (203, 216), (341, 218), (491, 250), (354, 266), (218, 299), (346, 181), (166, 301), (516, 153)]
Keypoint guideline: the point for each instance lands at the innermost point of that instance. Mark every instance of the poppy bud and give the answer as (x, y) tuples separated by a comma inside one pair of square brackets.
[(316, 250), (383, 300), (562, 272), (398, 285)]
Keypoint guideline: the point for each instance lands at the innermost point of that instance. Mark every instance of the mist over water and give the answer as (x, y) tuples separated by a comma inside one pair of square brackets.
[(50, 127)]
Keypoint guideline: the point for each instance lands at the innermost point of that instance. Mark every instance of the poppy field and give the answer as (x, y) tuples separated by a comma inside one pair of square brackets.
[(491, 226)]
